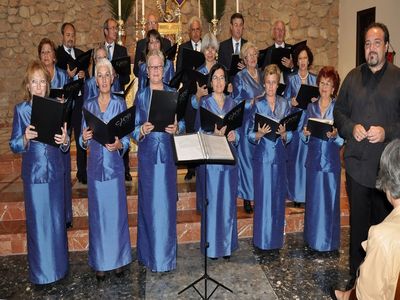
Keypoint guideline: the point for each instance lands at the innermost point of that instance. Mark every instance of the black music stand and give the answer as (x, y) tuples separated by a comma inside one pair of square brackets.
[(205, 160)]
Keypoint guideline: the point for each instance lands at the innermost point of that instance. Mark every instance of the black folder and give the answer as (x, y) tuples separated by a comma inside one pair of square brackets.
[(120, 125), (162, 109), (122, 65), (233, 69), (81, 62), (305, 94), (170, 53), (233, 119), (277, 55), (69, 90), (291, 122), (188, 78), (280, 91), (192, 59), (48, 116), (319, 127), (126, 91)]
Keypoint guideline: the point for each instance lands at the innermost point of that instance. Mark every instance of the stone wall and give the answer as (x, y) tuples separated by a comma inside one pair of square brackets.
[(23, 23)]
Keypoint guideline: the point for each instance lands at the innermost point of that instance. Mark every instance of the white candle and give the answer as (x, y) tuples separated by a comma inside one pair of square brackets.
[(215, 8), (119, 9), (136, 11), (199, 9), (237, 6), (143, 9)]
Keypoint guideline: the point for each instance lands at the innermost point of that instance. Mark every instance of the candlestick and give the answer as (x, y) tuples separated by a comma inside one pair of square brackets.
[(237, 6), (199, 9), (215, 9), (119, 9), (136, 11), (143, 9)]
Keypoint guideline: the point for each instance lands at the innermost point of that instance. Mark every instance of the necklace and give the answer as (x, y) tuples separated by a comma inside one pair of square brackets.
[(255, 76), (303, 78)]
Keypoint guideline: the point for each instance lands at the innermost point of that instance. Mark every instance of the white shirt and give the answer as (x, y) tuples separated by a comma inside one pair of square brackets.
[(72, 53), (280, 46), (196, 46), (234, 45), (110, 50)]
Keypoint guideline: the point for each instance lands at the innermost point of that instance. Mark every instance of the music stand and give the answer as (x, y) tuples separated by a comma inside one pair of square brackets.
[(205, 142)]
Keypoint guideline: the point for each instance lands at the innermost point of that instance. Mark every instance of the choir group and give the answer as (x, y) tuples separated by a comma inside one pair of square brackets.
[(294, 165)]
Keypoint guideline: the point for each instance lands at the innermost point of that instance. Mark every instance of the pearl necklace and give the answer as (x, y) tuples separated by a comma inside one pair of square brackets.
[(303, 78), (255, 77)]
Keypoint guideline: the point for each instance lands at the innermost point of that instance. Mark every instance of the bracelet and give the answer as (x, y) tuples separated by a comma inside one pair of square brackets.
[(142, 131)]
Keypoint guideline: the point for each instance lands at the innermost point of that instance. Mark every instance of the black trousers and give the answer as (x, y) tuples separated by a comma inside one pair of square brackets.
[(126, 160), (76, 123), (368, 206)]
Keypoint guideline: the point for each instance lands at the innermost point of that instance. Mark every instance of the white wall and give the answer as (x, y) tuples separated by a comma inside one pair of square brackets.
[(387, 12)]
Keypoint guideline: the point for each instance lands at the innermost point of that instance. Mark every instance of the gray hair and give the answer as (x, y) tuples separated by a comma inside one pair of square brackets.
[(209, 40), (389, 172), (155, 53), (104, 62), (194, 19)]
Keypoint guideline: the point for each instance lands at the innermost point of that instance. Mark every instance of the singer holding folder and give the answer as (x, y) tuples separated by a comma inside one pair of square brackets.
[(296, 150), (247, 85), (109, 241), (156, 237), (43, 178), (59, 77), (322, 214), (269, 165), (222, 180)]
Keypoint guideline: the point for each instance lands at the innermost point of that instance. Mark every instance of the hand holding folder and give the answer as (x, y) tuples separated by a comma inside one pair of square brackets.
[(319, 127)]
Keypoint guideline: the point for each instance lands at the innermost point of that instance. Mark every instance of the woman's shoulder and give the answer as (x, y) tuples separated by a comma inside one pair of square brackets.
[(22, 105)]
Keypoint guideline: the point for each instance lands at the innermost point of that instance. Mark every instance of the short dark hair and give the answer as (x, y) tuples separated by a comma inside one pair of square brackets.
[(382, 27), (45, 41), (329, 72), (297, 51), (237, 16), (154, 33), (214, 68), (65, 25)]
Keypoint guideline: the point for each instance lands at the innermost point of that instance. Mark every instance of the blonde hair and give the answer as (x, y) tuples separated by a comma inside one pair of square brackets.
[(272, 69), (245, 48), (32, 67)]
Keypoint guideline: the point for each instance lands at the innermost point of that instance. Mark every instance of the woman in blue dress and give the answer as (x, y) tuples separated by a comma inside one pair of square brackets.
[(247, 86), (296, 150), (90, 87), (322, 213), (269, 165), (59, 77), (43, 179), (209, 47), (109, 241), (220, 185), (154, 42), (157, 190)]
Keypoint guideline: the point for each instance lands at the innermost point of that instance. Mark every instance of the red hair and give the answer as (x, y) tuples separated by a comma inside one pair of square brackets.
[(329, 72)]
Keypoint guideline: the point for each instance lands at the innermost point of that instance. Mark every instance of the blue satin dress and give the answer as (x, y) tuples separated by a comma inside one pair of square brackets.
[(157, 192), (296, 150), (43, 179), (199, 180), (61, 78), (109, 241), (322, 213), (220, 188), (169, 72), (91, 90), (269, 178), (246, 88)]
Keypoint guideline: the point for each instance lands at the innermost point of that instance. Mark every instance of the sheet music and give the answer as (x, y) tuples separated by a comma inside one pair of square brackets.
[(188, 147), (216, 148)]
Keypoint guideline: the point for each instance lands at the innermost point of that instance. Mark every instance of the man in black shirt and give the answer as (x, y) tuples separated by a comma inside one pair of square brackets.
[(367, 114)]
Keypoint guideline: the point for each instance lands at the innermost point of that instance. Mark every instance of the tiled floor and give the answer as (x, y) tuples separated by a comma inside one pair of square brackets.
[(294, 272)]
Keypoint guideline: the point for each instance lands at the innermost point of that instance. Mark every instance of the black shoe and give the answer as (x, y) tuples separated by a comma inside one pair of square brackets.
[(247, 206), (227, 257), (297, 204), (332, 293), (100, 276), (119, 272), (189, 175), (82, 179), (68, 225), (128, 176), (350, 284), (213, 258)]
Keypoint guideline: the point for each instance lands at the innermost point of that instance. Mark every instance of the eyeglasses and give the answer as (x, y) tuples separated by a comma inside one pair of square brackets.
[(375, 43), (153, 68), (36, 82), (104, 76), (220, 78), (327, 83)]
